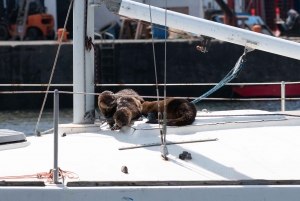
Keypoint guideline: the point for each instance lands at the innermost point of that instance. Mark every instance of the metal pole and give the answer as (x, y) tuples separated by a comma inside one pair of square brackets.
[(282, 96), (83, 61), (78, 60), (55, 126), (89, 61)]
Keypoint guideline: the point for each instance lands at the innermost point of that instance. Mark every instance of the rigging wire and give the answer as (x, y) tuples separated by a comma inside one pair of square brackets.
[(52, 72), (163, 148), (231, 75), (154, 60), (165, 79)]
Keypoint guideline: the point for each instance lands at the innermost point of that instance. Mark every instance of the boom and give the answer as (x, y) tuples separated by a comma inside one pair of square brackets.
[(204, 27)]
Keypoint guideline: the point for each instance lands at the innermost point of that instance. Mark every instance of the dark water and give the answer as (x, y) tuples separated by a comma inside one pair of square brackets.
[(25, 120)]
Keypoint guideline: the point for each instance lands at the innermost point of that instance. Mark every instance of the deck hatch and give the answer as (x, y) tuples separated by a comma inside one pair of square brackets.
[(10, 136)]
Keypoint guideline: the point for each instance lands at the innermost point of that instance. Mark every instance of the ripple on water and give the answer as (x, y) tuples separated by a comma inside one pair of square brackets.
[(26, 120)]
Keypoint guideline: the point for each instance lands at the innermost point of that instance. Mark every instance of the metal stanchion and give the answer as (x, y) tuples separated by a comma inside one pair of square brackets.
[(282, 96), (55, 126)]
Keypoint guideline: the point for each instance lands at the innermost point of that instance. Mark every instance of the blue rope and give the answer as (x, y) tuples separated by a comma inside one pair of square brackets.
[(231, 75)]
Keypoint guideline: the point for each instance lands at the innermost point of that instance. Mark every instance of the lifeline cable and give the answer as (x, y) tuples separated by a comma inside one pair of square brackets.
[(154, 97)]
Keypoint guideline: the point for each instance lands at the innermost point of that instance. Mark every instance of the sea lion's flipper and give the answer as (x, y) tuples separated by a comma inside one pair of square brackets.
[(151, 119), (115, 127), (110, 122)]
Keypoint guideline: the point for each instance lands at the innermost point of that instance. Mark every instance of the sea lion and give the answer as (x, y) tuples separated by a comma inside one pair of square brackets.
[(180, 112), (129, 107), (108, 104), (129, 93)]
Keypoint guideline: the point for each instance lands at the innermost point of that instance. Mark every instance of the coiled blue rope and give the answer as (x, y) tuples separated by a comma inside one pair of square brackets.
[(231, 75)]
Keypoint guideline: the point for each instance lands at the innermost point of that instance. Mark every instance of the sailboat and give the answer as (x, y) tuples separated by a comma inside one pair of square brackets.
[(224, 155)]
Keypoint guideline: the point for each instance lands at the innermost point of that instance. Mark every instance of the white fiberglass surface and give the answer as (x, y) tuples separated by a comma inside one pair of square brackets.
[(263, 152)]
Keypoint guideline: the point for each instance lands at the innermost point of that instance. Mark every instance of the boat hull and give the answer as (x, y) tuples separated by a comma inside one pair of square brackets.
[(166, 193), (291, 90)]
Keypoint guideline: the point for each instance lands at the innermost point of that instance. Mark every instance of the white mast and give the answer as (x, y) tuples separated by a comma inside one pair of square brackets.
[(83, 61), (204, 27)]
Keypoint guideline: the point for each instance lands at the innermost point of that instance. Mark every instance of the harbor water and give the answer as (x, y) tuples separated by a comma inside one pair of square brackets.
[(26, 120)]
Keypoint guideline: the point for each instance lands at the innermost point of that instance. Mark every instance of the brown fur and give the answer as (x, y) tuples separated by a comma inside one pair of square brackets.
[(128, 108), (180, 112), (109, 103), (130, 92)]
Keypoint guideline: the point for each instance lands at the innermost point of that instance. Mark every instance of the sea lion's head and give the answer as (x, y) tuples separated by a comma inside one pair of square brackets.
[(122, 117), (107, 103)]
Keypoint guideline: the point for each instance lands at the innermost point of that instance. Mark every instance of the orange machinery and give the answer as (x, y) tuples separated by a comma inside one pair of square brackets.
[(39, 25)]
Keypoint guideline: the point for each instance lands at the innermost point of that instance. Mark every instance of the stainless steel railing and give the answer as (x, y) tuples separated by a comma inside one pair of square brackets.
[(282, 84)]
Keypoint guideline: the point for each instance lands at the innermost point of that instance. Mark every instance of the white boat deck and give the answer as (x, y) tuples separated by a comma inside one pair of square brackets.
[(250, 147), (250, 155)]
